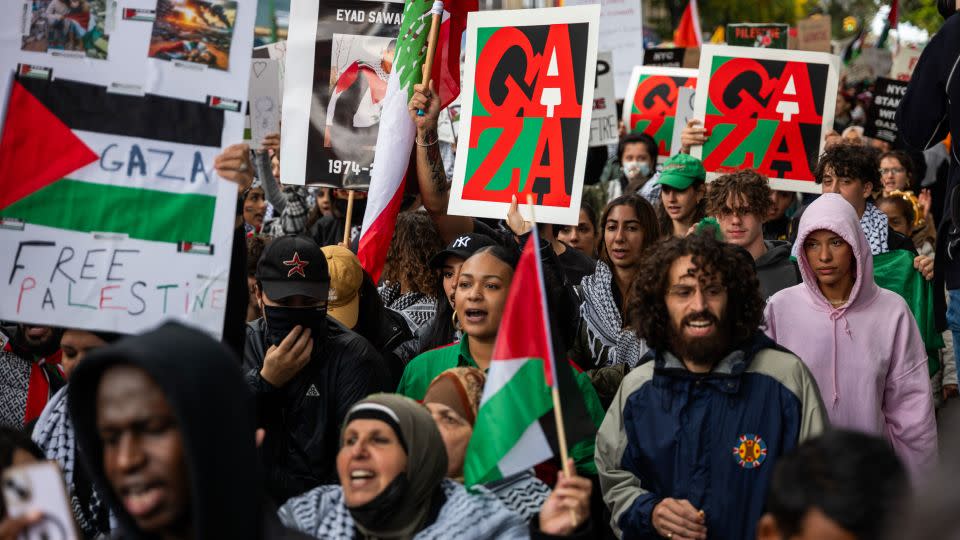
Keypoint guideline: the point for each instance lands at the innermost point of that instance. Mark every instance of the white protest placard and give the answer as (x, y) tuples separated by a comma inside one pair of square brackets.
[(905, 61), (603, 124), (533, 143), (621, 32), (111, 215), (264, 99), (685, 100)]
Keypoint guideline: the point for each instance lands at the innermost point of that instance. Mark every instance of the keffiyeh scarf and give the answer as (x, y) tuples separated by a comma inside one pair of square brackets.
[(53, 433), (875, 227), (605, 331), (417, 308)]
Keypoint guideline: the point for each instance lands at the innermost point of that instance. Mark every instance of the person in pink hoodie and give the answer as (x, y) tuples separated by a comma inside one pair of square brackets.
[(860, 342)]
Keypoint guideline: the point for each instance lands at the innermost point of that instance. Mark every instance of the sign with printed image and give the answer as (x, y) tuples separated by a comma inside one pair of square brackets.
[(111, 212), (525, 122), (195, 31), (651, 103), (340, 54), (766, 36), (766, 109), (66, 27)]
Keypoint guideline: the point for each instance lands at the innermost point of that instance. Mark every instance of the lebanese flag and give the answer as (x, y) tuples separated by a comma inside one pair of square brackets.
[(397, 132), (516, 426), (688, 32), (74, 156)]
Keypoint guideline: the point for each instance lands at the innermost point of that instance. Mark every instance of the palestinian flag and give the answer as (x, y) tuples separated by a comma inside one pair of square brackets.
[(74, 156), (516, 427)]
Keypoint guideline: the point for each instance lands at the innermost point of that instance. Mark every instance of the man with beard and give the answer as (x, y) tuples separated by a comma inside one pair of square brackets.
[(329, 229), (305, 368), (688, 446), (29, 372)]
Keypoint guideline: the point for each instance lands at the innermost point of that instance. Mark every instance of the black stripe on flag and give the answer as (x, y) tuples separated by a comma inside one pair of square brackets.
[(89, 107)]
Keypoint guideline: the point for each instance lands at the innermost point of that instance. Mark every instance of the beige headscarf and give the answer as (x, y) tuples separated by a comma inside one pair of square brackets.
[(459, 388)]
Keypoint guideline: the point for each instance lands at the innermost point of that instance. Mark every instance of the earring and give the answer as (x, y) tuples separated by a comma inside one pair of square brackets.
[(456, 323)]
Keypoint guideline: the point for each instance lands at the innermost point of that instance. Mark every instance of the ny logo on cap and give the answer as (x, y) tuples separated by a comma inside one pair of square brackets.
[(461, 242), (297, 265)]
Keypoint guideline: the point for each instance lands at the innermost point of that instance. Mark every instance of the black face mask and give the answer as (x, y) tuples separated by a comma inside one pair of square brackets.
[(281, 320)]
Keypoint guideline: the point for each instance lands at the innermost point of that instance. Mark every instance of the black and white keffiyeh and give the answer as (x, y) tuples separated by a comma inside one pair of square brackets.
[(875, 226), (610, 343), (54, 434), (417, 308)]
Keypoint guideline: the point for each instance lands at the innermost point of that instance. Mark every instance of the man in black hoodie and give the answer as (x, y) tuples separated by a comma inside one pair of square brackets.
[(166, 427), (740, 201), (305, 368)]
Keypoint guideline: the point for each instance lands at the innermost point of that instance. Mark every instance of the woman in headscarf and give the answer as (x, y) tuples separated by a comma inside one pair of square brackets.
[(53, 433), (454, 400), (392, 465)]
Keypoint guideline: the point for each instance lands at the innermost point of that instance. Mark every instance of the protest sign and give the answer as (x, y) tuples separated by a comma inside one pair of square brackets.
[(603, 124), (765, 36), (685, 98), (664, 57), (621, 32), (111, 213), (766, 109), (525, 122), (871, 63), (274, 51), (881, 123), (813, 34), (264, 99), (448, 123), (651, 102), (339, 59), (905, 61)]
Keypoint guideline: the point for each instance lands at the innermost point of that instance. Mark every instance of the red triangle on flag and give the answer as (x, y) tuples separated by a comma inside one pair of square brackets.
[(37, 148)]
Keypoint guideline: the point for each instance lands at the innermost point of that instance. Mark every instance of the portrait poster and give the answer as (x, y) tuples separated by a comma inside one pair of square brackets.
[(765, 36), (881, 118), (603, 124), (621, 32), (672, 57), (527, 98), (766, 109), (111, 214), (339, 55), (651, 103)]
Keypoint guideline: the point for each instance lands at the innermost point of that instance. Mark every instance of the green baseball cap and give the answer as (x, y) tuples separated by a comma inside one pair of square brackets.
[(682, 171)]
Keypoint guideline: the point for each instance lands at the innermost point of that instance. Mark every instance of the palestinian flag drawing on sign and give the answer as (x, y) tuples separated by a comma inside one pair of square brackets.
[(76, 157), (652, 99), (525, 130), (766, 109)]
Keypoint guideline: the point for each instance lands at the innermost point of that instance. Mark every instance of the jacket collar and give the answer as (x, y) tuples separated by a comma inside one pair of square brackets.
[(725, 375)]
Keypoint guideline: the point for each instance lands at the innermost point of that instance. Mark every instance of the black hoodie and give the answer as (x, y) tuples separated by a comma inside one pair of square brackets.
[(215, 414)]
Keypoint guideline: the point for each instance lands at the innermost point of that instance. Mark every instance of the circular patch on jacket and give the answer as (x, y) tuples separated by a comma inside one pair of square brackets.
[(750, 451)]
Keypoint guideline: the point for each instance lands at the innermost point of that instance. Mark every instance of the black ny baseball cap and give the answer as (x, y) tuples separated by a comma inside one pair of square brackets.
[(293, 265), (464, 246)]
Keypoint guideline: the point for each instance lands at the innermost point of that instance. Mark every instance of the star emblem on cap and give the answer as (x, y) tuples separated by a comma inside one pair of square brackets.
[(297, 265)]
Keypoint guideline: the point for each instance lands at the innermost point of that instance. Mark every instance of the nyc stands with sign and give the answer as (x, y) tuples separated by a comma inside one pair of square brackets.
[(651, 104), (766, 109), (525, 122)]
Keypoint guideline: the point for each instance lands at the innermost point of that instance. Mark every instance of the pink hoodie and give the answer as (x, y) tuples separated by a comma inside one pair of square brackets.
[(867, 355)]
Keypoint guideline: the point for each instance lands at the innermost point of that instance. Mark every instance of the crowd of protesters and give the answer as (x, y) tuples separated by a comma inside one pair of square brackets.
[(754, 363)]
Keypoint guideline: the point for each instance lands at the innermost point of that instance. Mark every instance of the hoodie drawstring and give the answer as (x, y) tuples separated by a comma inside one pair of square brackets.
[(836, 315)]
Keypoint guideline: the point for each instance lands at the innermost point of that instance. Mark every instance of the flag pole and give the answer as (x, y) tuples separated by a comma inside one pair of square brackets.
[(437, 13), (346, 226), (555, 390)]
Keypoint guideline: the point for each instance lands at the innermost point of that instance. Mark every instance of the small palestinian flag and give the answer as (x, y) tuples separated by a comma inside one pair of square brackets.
[(74, 156)]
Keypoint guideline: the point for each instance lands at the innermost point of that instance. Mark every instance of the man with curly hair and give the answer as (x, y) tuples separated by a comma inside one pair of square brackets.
[(688, 446), (740, 201)]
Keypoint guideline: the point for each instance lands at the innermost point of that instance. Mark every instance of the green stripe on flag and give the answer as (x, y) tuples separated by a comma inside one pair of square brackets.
[(140, 213), (503, 418)]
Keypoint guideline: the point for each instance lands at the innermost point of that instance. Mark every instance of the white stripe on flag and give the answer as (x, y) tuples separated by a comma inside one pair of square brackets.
[(394, 141), (149, 164), (532, 447), (500, 373)]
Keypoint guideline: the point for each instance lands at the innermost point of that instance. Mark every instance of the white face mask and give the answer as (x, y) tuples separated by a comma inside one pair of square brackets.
[(634, 168)]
